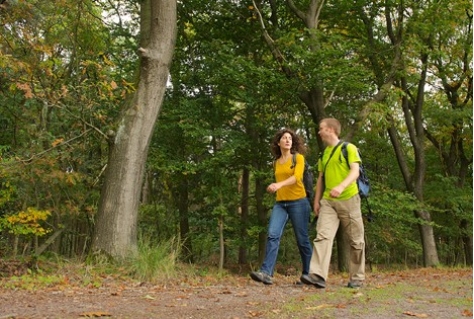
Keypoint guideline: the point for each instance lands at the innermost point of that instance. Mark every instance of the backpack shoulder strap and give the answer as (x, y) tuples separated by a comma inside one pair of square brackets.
[(344, 152), (293, 160), (332, 153)]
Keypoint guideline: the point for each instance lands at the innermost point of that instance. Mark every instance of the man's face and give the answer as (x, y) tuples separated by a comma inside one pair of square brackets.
[(324, 131)]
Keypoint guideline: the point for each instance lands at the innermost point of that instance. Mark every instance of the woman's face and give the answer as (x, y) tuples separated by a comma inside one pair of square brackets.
[(286, 141)]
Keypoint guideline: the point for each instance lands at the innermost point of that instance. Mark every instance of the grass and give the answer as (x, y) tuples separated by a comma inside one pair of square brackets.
[(418, 293), (154, 263)]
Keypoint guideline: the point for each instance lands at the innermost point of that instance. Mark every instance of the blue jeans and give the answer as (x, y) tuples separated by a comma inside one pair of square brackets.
[(298, 212)]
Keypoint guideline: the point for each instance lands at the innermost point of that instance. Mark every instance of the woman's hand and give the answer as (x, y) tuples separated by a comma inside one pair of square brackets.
[(273, 187)]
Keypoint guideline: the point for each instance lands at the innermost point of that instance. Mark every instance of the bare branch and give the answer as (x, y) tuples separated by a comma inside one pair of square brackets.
[(52, 148), (271, 43)]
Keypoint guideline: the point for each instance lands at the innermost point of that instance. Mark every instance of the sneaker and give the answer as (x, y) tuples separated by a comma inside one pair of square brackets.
[(313, 279), (354, 284), (261, 277)]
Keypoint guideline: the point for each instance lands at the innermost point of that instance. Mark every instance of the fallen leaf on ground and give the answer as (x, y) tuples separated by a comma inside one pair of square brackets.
[(320, 307), (418, 315), (95, 314), (467, 313), (253, 303), (255, 313)]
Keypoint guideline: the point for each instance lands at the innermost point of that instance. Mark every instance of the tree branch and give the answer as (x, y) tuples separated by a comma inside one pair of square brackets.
[(52, 148), (271, 43)]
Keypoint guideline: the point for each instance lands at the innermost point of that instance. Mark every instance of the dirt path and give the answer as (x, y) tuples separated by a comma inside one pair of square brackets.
[(422, 293)]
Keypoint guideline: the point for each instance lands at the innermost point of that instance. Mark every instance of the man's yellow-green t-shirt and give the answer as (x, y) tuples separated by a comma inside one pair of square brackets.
[(337, 170)]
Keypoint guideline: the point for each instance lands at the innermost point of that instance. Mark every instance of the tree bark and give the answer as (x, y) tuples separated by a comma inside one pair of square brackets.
[(116, 223), (184, 229), (244, 215), (262, 217), (412, 111)]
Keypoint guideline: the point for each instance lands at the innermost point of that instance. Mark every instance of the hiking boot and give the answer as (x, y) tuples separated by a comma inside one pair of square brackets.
[(354, 284), (313, 279), (261, 277)]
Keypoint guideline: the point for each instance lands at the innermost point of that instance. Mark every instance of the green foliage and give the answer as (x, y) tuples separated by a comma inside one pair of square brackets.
[(393, 235), (65, 77)]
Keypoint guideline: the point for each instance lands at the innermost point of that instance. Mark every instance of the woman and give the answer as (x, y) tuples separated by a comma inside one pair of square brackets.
[(291, 203)]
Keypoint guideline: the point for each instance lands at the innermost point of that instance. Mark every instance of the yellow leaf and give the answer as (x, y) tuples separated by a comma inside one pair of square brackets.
[(57, 142)]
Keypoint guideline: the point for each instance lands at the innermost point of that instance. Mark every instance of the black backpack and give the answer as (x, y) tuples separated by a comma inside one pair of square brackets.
[(363, 180)]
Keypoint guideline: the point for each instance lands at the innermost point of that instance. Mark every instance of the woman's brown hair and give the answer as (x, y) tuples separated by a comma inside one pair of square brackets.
[(297, 145)]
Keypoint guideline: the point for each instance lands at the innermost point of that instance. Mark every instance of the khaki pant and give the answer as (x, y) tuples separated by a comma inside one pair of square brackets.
[(331, 214)]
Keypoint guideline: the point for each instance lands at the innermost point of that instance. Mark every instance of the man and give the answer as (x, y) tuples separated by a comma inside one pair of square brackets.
[(337, 202)]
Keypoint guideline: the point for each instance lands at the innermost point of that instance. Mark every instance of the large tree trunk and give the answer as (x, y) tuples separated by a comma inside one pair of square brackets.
[(412, 111), (116, 225)]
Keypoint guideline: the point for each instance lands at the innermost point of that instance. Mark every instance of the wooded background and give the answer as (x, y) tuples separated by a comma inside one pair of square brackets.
[(397, 74)]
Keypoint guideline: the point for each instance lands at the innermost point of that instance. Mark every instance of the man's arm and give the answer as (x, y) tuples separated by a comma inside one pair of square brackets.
[(350, 178), (318, 194)]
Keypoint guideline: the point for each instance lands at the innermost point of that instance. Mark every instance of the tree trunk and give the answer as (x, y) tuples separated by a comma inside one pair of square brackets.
[(430, 253), (184, 229), (116, 224), (412, 111), (221, 242), (244, 215), (262, 218), (467, 242)]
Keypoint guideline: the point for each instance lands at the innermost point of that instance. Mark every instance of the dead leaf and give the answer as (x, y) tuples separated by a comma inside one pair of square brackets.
[(253, 303), (25, 87), (255, 314), (320, 307), (95, 314), (357, 295), (467, 313), (418, 315)]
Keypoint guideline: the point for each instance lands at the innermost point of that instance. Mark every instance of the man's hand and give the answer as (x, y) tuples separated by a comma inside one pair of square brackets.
[(316, 208), (336, 191)]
